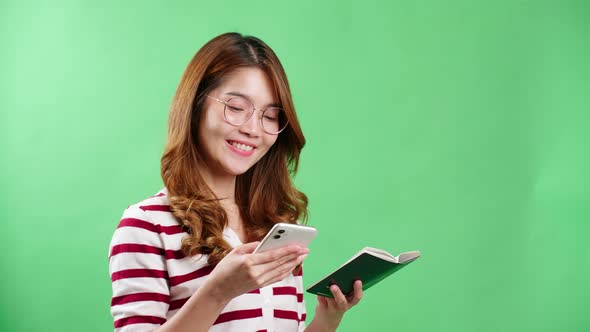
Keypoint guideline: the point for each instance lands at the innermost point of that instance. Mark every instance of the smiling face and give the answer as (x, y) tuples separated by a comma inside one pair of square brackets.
[(231, 150)]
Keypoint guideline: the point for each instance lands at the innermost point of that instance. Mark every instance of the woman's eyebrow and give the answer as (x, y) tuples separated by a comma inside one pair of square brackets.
[(239, 94)]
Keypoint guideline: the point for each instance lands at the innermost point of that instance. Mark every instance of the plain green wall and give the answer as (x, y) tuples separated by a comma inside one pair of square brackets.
[(459, 128)]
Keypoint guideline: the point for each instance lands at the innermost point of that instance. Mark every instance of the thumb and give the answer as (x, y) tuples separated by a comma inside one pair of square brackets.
[(247, 248)]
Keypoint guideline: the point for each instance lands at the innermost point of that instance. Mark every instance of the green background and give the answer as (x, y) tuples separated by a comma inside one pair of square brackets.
[(459, 128)]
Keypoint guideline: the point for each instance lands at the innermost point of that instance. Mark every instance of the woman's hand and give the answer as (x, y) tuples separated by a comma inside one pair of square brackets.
[(242, 271), (329, 312), (239, 272)]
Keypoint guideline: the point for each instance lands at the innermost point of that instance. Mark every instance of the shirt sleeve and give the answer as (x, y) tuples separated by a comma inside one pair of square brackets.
[(300, 291), (139, 276), (300, 301)]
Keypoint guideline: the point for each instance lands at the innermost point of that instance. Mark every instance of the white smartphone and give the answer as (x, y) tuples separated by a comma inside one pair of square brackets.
[(283, 234)]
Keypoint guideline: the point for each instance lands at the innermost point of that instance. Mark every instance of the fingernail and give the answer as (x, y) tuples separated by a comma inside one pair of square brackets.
[(303, 257)]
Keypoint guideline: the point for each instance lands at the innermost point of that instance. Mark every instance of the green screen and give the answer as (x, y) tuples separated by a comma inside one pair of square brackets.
[(458, 128)]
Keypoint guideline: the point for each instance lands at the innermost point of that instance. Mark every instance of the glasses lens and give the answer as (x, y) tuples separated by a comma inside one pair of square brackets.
[(237, 110), (274, 120)]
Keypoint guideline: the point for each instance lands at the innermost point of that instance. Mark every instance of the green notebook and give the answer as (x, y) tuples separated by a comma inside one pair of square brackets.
[(370, 265)]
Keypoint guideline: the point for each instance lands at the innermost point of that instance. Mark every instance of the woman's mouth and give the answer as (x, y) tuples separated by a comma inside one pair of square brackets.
[(241, 148)]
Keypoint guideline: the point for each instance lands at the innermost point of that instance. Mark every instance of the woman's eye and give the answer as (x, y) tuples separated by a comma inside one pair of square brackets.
[(271, 118), (234, 108)]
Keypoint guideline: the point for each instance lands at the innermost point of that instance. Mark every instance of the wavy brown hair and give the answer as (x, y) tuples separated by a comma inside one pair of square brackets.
[(265, 194)]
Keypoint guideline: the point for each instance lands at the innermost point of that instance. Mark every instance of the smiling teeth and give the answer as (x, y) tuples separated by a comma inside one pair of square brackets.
[(241, 146)]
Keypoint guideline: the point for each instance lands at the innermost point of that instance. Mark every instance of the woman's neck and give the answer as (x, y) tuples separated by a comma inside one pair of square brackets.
[(224, 187)]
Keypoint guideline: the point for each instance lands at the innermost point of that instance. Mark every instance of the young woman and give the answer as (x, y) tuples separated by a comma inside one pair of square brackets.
[(182, 260)]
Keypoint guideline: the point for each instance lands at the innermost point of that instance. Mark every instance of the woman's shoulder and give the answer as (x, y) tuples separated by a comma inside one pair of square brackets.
[(159, 198), (154, 209), (151, 214)]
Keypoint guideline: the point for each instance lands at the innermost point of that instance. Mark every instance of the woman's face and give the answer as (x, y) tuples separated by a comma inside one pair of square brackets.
[(228, 149)]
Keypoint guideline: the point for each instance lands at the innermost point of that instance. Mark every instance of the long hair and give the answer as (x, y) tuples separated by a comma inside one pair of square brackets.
[(265, 194)]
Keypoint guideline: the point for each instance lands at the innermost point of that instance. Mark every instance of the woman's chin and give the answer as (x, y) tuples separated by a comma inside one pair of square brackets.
[(236, 171)]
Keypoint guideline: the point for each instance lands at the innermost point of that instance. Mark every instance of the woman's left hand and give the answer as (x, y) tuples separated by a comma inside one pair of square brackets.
[(329, 312)]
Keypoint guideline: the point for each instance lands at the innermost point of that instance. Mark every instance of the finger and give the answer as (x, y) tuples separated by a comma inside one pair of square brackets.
[(275, 274), (296, 260), (275, 254), (275, 268), (287, 266), (322, 300), (247, 248), (357, 295), (277, 263), (339, 297)]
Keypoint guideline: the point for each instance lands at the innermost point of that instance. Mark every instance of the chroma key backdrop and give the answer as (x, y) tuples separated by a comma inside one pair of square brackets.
[(458, 128)]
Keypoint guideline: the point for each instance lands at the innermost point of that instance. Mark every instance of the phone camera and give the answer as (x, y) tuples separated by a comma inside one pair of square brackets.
[(277, 236), (281, 231)]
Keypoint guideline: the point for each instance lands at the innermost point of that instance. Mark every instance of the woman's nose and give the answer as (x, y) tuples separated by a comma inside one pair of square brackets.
[(252, 126)]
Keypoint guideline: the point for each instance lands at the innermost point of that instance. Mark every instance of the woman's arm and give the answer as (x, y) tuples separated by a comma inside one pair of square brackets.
[(329, 312), (141, 293), (236, 274), (198, 313)]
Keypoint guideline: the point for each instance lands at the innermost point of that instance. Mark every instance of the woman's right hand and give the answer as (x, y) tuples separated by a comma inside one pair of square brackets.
[(242, 271)]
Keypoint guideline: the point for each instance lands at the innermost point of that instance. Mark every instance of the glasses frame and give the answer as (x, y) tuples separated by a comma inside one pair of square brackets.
[(254, 109)]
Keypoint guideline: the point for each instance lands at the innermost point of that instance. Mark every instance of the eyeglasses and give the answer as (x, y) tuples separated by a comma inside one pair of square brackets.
[(239, 110)]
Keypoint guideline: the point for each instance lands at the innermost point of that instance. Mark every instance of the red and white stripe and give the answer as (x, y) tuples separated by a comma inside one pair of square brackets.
[(152, 278)]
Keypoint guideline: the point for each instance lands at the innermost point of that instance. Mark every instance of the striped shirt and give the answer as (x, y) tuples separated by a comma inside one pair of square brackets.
[(152, 279)]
